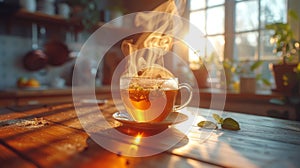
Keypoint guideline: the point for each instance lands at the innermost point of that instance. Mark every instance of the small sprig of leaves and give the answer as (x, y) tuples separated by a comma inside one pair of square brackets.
[(227, 123)]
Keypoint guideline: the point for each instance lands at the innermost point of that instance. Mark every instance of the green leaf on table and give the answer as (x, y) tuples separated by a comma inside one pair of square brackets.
[(218, 118), (230, 124), (207, 124)]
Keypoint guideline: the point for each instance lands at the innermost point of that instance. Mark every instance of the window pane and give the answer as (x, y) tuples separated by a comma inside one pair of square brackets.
[(197, 4), (273, 11), (266, 47), (198, 20), (215, 2), (246, 46), (215, 20), (246, 16), (218, 46)]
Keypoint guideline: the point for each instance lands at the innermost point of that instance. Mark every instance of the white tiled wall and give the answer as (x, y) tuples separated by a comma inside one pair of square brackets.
[(12, 51)]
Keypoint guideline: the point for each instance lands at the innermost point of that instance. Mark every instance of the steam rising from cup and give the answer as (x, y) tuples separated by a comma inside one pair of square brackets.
[(146, 53)]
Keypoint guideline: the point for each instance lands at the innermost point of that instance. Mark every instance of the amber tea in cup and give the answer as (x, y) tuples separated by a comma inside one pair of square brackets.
[(151, 100)]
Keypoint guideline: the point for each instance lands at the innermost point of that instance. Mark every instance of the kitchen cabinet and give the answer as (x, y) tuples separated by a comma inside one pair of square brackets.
[(7, 102)]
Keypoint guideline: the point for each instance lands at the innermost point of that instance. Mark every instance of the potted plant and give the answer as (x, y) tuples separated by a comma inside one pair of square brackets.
[(87, 11), (91, 12), (287, 47), (246, 71)]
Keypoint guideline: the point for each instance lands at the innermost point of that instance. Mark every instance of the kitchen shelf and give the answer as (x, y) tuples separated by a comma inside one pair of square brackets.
[(51, 20)]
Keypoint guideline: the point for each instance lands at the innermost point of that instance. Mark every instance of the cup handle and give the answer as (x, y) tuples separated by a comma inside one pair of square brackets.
[(189, 88)]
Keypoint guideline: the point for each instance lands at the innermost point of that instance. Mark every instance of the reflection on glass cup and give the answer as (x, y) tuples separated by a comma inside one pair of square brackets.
[(151, 100)]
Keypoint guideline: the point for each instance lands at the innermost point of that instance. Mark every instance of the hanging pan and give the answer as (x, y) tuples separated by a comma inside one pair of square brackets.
[(35, 59), (57, 52)]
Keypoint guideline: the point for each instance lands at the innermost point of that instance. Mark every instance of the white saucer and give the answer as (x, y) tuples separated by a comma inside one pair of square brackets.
[(126, 120)]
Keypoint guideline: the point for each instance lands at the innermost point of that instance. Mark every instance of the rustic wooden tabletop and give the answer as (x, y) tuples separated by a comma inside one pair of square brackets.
[(53, 136)]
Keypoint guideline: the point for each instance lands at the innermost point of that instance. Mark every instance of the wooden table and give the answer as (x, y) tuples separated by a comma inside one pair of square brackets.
[(52, 136)]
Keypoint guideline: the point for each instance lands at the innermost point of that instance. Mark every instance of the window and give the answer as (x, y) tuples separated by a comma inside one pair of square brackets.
[(245, 22), (209, 17), (236, 28)]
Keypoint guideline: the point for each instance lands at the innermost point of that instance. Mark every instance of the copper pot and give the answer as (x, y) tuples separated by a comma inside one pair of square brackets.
[(57, 53), (35, 60)]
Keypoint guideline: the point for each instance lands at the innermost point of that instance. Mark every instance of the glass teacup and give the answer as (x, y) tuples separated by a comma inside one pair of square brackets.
[(151, 100)]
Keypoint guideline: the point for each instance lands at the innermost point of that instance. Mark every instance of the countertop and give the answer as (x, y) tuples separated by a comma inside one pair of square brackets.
[(46, 91), (258, 103), (104, 89)]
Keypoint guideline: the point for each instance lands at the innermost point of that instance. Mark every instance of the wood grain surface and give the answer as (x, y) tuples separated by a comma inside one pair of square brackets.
[(53, 136)]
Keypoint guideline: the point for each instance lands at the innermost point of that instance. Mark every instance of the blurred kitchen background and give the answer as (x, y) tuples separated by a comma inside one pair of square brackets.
[(28, 25), (240, 31)]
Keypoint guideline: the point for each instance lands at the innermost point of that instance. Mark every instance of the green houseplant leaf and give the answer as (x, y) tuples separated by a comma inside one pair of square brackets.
[(256, 65)]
